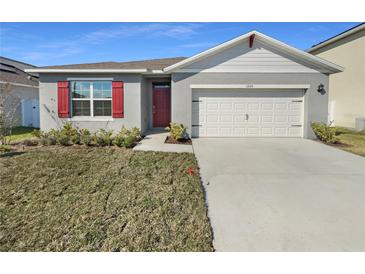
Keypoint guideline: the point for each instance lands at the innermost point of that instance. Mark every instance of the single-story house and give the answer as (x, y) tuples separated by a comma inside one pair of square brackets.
[(22, 103), (347, 96), (250, 86)]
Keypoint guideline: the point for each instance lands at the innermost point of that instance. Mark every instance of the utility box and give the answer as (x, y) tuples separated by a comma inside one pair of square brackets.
[(360, 123)]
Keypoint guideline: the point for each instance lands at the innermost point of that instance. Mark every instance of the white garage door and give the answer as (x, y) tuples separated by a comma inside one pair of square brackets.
[(247, 113)]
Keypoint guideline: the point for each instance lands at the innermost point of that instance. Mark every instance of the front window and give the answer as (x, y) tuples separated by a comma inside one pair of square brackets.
[(91, 98)]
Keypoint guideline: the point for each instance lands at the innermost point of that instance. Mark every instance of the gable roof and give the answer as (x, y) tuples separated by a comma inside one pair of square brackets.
[(12, 71), (132, 66), (337, 37), (309, 58)]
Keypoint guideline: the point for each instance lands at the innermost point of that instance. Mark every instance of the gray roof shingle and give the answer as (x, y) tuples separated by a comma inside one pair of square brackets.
[(12, 71), (155, 64)]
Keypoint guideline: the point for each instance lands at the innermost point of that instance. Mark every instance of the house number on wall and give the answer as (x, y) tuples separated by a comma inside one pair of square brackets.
[(249, 86)]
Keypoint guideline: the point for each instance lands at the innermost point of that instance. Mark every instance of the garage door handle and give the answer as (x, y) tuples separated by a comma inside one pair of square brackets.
[(246, 116), (296, 125)]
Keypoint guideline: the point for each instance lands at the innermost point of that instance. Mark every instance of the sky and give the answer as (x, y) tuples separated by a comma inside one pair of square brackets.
[(43, 44)]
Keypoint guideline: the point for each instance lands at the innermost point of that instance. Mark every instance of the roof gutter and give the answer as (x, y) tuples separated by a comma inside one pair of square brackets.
[(337, 38), (45, 70)]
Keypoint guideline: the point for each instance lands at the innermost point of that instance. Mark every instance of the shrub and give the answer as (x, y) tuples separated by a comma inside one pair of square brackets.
[(64, 139), (30, 142), (70, 133), (130, 141), (325, 133), (36, 133), (103, 137), (4, 148), (85, 137), (136, 133), (49, 138), (127, 138), (177, 131)]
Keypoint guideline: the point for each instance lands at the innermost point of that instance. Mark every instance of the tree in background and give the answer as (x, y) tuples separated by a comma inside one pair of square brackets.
[(8, 106)]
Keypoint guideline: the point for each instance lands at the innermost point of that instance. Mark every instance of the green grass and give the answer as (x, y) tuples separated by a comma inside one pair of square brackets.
[(101, 199), (354, 141), (21, 133)]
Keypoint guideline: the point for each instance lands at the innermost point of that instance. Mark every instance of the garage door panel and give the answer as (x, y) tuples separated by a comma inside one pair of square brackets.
[(267, 132), (281, 132), (226, 118), (247, 114), (267, 106), (267, 119), (281, 119), (210, 118), (226, 107), (239, 132), (253, 106), (239, 107)]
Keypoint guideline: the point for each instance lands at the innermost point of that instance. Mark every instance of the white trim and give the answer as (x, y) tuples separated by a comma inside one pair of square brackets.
[(91, 99), (90, 119), (249, 86), (157, 71), (337, 38), (239, 71), (328, 66), (45, 70), (90, 79), (17, 84)]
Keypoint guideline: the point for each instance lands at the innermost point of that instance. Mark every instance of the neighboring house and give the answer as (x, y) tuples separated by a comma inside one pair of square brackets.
[(347, 89), (23, 91), (252, 86)]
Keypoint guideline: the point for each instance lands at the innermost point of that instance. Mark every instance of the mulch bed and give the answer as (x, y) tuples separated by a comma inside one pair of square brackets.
[(170, 140)]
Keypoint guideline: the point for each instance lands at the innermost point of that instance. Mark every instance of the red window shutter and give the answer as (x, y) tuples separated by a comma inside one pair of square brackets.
[(63, 99), (117, 99)]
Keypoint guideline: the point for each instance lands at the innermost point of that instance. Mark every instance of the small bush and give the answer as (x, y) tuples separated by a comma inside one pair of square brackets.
[(177, 131), (4, 148), (127, 138), (104, 137), (325, 133), (64, 139), (30, 142), (36, 133), (69, 132), (49, 138), (85, 137), (130, 141), (135, 131)]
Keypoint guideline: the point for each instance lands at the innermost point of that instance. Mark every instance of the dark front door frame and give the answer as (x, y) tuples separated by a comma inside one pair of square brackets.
[(161, 104)]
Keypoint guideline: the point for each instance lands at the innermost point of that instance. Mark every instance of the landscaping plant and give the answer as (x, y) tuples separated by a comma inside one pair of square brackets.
[(127, 138), (69, 134), (325, 133), (104, 137), (85, 137), (177, 131)]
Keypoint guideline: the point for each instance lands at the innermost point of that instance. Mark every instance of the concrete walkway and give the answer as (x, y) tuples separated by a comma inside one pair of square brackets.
[(282, 194), (155, 141)]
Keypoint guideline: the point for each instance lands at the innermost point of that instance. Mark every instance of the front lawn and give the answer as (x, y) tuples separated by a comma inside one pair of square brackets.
[(21, 133), (353, 141), (101, 199)]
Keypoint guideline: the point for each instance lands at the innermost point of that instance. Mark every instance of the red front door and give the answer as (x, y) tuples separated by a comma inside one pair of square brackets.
[(161, 107)]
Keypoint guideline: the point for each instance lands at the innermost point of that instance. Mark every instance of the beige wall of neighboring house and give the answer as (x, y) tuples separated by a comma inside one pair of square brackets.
[(347, 88)]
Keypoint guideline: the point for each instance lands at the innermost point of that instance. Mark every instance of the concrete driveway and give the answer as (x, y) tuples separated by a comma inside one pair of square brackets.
[(282, 195)]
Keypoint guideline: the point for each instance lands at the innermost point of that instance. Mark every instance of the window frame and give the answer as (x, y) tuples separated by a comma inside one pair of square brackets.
[(91, 99)]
